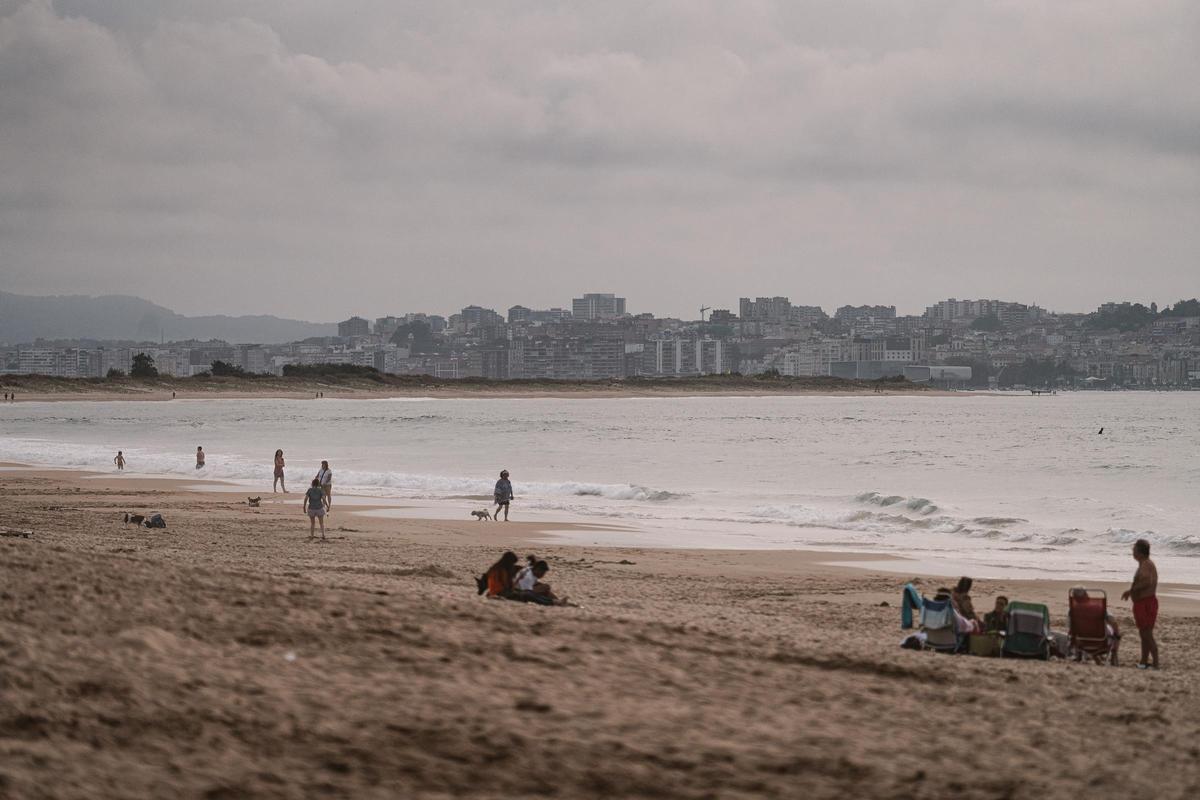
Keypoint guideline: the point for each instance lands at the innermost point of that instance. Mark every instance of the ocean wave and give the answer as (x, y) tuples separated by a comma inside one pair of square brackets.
[(998, 522), (1181, 543), (919, 504)]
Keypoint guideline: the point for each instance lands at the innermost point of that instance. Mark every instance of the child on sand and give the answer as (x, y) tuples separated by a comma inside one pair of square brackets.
[(315, 505), (1144, 593), (119, 460)]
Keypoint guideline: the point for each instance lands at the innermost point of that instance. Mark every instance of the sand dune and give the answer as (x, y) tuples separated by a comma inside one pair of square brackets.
[(229, 657)]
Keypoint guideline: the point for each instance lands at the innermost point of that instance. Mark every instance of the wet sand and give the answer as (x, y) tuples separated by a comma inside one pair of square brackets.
[(227, 656)]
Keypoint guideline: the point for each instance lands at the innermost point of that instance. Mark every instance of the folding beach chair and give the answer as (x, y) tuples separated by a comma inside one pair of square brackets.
[(938, 623), (1028, 631), (1088, 621)]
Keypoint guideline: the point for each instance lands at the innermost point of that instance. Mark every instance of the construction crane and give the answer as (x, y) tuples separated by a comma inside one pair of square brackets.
[(702, 310)]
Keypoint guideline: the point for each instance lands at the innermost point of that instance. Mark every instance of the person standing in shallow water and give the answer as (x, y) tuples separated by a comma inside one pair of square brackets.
[(279, 482), (503, 495), (119, 460), (199, 458)]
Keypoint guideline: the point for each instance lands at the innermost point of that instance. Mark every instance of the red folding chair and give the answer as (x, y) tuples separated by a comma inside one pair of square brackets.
[(1088, 616)]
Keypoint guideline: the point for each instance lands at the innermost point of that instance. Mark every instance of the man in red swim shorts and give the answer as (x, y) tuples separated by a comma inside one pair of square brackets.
[(1143, 592)]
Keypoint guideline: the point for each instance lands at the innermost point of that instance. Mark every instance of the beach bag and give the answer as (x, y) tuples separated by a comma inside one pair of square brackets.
[(1060, 645), (156, 521), (985, 644)]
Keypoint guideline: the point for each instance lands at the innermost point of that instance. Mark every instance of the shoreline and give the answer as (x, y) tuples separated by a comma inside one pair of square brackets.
[(541, 533), (540, 528)]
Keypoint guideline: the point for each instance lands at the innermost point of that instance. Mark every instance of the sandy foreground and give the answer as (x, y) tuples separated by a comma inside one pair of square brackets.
[(228, 657)]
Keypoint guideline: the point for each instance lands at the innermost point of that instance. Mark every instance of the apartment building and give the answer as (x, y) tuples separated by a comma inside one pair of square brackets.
[(598, 306)]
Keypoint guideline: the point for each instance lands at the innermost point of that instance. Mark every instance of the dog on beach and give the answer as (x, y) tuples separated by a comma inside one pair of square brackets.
[(253, 501), (481, 515), (136, 519)]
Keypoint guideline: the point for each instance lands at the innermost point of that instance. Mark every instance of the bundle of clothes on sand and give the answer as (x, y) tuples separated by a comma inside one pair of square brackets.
[(950, 624), (508, 580)]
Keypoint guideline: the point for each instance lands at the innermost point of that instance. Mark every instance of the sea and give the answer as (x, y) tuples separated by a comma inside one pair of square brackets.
[(992, 485)]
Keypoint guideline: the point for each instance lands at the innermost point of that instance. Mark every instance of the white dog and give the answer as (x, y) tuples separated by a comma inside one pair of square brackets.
[(481, 515)]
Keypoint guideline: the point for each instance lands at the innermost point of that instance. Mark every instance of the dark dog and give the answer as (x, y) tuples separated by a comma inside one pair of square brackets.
[(253, 501), (136, 519)]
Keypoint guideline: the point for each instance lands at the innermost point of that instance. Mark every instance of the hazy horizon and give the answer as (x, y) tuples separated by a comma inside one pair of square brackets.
[(313, 161), (732, 306)]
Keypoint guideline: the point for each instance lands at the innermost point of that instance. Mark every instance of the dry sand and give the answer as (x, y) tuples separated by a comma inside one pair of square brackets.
[(228, 657)]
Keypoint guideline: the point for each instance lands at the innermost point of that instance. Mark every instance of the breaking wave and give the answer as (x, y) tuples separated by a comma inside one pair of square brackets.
[(918, 504), (1181, 544)]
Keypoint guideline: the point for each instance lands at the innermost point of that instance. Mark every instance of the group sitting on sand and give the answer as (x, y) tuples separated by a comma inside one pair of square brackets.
[(1094, 630), (506, 581)]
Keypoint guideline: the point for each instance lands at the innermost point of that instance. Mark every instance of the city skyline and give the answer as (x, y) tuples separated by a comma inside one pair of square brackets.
[(292, 158), (731, 305)]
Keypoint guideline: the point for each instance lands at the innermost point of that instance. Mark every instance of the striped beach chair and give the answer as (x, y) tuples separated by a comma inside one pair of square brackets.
[(939, 625), (1028, 631)]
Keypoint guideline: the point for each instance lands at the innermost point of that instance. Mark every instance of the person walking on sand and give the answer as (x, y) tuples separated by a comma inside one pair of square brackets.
[(199, 458), (325, 480), (503, 495), (279, 482), (119, 460), (1144, 593), (315, 505)]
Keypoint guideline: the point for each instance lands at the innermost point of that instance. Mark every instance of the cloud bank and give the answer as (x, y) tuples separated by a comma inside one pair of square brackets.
[(318, 159)]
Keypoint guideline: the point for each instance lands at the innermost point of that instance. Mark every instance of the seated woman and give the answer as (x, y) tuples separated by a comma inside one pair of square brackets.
[(533, 589), (996, 621), (960, 598), (500, 576)]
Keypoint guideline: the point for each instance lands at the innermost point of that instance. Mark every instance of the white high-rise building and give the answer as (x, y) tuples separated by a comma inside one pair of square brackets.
[(598, 306)]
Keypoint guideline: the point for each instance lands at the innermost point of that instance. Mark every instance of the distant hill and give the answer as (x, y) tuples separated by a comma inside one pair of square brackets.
[(25, 318)]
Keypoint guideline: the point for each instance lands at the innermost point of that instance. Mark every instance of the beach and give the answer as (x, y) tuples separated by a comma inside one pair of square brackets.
[(227, 656)]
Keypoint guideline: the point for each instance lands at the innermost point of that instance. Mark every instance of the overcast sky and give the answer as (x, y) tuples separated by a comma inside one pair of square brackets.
[(315, 159)]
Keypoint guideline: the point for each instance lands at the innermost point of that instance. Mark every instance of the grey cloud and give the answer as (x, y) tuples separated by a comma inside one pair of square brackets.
[(401, 155)]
